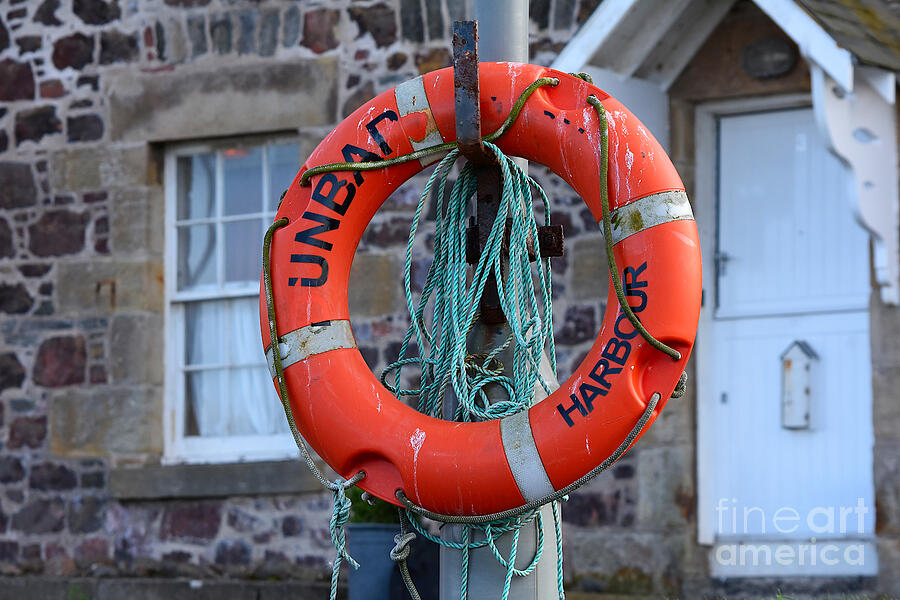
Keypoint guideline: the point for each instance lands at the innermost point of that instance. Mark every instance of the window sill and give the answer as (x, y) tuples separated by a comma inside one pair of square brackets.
[(212, 480)]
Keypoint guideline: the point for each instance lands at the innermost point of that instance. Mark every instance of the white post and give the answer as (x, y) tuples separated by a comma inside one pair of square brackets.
[(503, 36)]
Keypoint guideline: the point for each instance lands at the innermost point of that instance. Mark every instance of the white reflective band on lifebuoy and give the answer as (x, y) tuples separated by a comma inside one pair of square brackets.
[(524, 460), (411, 98), (302, 343), (650, 211)]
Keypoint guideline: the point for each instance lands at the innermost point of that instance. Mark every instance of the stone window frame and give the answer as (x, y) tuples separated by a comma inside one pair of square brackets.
[(178, 448)]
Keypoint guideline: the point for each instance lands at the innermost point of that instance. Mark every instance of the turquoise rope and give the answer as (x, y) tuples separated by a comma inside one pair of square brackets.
[(339, 516), (446, 313)]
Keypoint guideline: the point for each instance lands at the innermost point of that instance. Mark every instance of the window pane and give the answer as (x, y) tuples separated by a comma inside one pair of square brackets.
[(196, 256), (246, 344), (243, 181), (204, 335), (196, 186), (205, 412), (253, 404), (284, 162), (243, 250)]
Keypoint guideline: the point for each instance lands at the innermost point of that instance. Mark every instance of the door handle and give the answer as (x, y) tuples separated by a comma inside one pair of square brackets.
[(721, 259)]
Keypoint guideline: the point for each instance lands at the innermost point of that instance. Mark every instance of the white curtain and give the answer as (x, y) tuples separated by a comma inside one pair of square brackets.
[(236, 401)]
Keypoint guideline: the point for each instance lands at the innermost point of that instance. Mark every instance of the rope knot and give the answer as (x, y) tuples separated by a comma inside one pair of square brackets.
[(401, 546), (339, 516)]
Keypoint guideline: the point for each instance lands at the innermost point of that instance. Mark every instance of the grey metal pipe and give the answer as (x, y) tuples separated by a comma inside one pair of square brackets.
[(503, 36), (503, 30)]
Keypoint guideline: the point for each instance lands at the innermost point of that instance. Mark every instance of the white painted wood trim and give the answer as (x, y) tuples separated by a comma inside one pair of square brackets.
[(815, 44), (627, 60), (861, 128), (711, 13), (705, 135), (592, 35)]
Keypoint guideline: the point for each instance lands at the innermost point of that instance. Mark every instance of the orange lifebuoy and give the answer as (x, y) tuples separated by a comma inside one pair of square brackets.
[(355, 424)]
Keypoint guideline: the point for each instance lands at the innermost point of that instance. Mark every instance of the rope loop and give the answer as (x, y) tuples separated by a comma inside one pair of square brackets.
[(400, 551)]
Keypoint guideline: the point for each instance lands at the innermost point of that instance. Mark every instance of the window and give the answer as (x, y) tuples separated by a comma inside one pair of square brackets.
[(220, 402)]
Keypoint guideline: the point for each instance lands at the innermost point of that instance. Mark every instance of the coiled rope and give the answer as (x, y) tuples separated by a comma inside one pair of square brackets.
[(455, 299)]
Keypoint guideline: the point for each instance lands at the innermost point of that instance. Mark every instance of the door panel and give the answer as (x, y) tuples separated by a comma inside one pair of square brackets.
[(788, 243), (792, 264)]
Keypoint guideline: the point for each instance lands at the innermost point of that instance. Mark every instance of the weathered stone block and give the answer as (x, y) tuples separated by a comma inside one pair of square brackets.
[(27, 432), (666, 495), (58, 232), (46, 13), (589, 279), (50, 476), (83, 287), (92, 550), (243, 521), (12, 373), (578, 325), (16, 81), (432, 60), (411, 20), (6, 239), (360, 96), (191, 103), (233, 553), (118, 166), (86, 514), (268, 33), (319, 29), (375, 285), (75, 51), (886, 409), (9, 551), (292, 526), (378, 20), (393, 231), (17, 187), (136, 349), (35, 123), (75, 170), (889, 554), (196, 28), (887, 488), (14, 299), (247, 40), (60, 361), (136, 217), (191, 522), (11, 469), (96, 12), (220, 30), (84, 128), (617, 562), (291, 26), (108, 422), (42, 515)]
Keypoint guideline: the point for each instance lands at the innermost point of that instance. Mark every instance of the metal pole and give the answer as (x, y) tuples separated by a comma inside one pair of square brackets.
[(503, 28), (503, 33)]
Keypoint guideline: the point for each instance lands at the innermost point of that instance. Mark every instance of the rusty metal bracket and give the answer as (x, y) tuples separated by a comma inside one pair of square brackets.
[(467, 93), (467, 99)]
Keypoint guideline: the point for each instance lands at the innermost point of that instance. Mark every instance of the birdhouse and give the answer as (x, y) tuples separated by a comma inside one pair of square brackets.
[(797, 365)]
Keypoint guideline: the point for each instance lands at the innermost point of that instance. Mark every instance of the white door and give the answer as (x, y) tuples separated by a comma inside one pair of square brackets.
[(790, 264)]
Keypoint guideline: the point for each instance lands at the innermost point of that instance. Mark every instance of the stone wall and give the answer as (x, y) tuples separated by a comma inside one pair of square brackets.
[(92, 91)]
